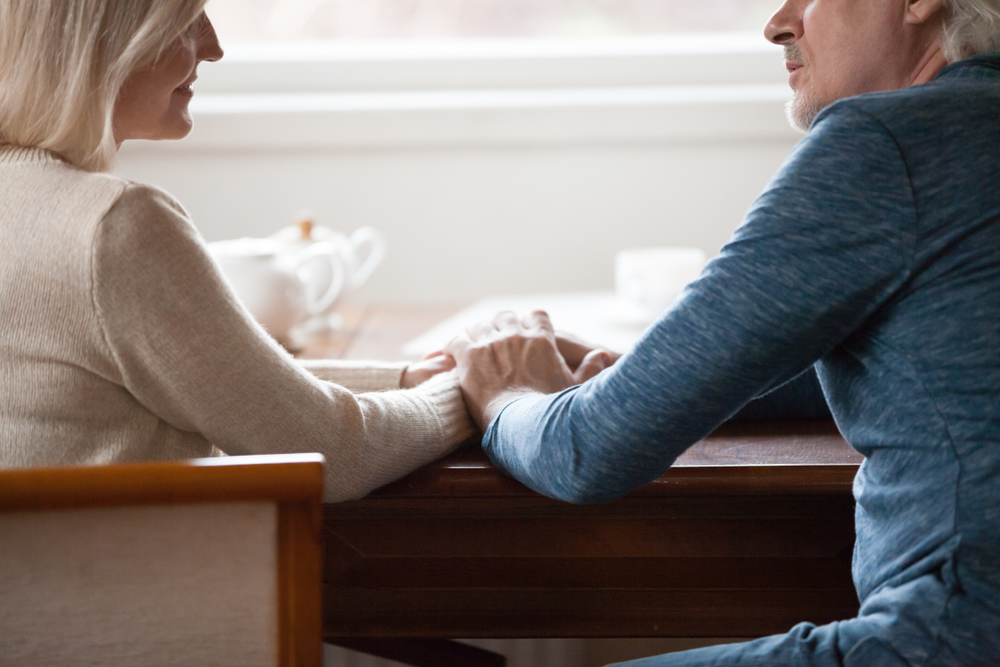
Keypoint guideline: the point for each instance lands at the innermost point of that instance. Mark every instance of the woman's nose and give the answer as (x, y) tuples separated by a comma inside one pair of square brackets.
[(209, 48)]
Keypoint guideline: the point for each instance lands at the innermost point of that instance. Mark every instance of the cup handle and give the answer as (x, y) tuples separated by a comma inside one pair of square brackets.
[(367, 236), (338, 272)]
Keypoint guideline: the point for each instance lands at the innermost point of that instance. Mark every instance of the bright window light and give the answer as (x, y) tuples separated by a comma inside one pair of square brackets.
[(257, 21)]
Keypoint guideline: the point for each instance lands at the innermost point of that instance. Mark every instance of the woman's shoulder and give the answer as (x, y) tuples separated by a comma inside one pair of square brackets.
[(147, 201), (41, 175), (105, 220), (146, 219), (48, 206)]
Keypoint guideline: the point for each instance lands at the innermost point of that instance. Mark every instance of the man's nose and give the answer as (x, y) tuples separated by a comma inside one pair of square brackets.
[(786, 24)]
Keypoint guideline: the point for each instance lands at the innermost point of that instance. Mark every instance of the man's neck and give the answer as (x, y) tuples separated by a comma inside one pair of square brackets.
[(932, 63)]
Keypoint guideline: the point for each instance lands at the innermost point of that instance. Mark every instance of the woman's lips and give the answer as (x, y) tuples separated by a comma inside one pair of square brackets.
[(187, 88)]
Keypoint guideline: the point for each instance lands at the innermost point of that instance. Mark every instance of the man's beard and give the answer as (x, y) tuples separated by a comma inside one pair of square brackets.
[(804, 106), (802, 110)]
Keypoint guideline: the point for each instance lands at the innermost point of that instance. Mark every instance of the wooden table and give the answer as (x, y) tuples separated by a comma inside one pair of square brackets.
[(749, 533)]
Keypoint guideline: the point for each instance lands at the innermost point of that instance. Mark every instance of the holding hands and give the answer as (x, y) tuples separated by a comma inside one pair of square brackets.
[(508, 357)]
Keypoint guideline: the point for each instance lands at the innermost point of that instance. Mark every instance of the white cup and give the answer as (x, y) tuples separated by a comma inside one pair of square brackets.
[(653, 278)]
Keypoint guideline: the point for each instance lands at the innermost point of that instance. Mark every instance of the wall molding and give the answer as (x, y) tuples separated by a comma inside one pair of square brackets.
[(450, 119), (488, 93), (673, 60)]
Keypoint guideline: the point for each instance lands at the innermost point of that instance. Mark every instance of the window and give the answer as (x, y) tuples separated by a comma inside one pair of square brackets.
[(255, 21), (354, 74)]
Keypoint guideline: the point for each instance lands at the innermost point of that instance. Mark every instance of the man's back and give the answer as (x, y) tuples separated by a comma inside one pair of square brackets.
[(917, 387)]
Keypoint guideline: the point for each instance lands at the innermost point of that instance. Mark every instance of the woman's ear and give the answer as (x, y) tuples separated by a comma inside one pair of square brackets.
[(919, 11)]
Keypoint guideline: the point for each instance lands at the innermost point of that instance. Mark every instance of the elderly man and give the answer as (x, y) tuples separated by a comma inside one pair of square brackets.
[(873, 254)]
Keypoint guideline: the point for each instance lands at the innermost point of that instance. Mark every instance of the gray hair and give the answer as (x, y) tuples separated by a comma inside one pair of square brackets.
[(972, 27), (64, 62)]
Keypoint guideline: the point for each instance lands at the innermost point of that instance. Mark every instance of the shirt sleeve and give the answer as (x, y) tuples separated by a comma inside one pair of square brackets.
[(188, 351), (825, 246)]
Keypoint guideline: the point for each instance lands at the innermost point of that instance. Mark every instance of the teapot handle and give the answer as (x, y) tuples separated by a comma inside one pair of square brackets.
[(371, 237), (338, 272)]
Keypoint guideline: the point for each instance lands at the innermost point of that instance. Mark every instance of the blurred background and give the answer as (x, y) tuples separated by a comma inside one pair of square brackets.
[(502, 146), (268, 20)]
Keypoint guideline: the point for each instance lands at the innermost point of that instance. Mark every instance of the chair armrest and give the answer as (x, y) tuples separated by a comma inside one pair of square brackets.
[(279, 478)]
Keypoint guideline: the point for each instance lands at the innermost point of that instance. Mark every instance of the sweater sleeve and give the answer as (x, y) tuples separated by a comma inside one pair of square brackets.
[(358, 376), (189, 352), (825, 246)]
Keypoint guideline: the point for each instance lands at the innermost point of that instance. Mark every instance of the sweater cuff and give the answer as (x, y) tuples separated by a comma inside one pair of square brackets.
[(357, 376)]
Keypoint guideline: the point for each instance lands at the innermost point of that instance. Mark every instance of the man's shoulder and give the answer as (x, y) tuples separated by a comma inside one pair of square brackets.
[(931, 107)]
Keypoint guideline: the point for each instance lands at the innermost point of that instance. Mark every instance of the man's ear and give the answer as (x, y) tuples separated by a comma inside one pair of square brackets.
[(918, 11)]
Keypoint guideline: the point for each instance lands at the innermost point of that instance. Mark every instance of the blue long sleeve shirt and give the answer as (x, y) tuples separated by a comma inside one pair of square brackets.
[(873, 254)]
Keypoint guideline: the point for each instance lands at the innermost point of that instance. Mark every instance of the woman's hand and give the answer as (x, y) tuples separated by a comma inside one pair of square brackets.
[(506, 358), (421, 371)]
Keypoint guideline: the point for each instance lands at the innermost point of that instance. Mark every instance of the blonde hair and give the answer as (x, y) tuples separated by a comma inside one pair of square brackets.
[(972, 27), (63, 64)]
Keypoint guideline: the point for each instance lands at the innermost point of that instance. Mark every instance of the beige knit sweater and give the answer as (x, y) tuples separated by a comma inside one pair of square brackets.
[(120, 341)]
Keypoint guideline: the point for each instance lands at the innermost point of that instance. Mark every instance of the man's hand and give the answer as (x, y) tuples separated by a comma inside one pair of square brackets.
[(421, 371), (506, 358), (579, 354)]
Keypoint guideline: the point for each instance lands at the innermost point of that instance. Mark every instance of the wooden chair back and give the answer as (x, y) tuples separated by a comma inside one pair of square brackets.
[(205, 562)]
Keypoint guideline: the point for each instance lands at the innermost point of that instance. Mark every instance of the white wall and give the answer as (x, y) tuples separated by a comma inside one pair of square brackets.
[(464, 223)]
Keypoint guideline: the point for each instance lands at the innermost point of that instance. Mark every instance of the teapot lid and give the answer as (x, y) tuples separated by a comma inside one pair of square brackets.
[(306, 231)]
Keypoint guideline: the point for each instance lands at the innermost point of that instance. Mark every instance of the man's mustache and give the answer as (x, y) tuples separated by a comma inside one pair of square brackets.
[(793, 53)]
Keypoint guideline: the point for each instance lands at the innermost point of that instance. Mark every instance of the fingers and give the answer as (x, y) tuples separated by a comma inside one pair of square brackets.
[(506, 321), (592, 364), (506, 357), (458, 347), (539, 320), (420, 371), (572, 349), (444, 363), (481, 330)]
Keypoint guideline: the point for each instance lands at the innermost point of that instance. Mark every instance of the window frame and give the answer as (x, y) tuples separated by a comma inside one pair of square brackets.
[(474, 92)]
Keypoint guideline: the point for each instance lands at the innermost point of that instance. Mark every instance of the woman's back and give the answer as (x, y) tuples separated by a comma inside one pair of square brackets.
[(63, 395)]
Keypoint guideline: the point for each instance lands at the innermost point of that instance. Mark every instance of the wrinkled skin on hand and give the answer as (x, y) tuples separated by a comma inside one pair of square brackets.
[(506, 358), (421, 371)]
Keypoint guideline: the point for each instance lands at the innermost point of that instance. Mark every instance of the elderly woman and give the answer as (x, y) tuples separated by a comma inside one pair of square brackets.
[(119, 339)]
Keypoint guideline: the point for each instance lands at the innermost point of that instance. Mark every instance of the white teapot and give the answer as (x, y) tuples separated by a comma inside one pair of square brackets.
[(278, 286), (361, 253)]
